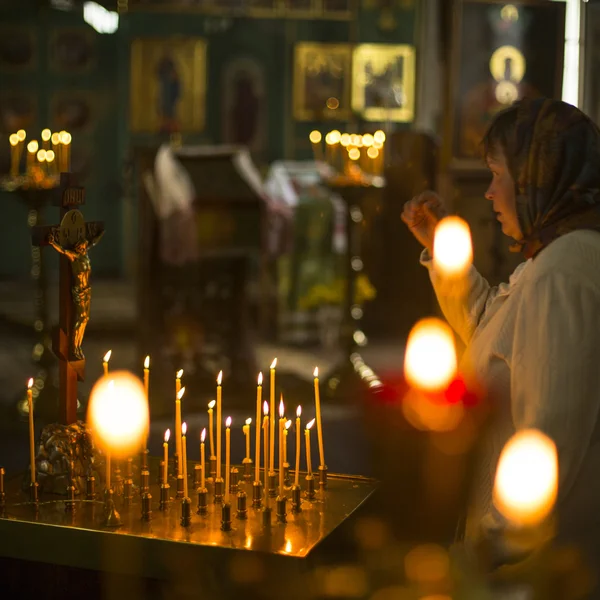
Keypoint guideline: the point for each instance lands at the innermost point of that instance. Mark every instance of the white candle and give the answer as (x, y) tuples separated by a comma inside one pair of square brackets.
[(166, 457), (281, 426), (272, 404), (286, 427), (202, 461), (31, 430), (105, 362), (184, 458), (298, 414), (146, 386), (211, 428), (307, 435), (219, 425), (179, 432), (266, 444), (246, 429), (258, 407), (227, 457), (318, 416), (178, 420)]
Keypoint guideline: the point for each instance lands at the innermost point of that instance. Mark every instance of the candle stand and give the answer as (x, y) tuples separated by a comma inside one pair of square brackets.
[(212, 463), (286, 474), (242, 502), (179, 486), (219, 485), (146, 506), (164, 496), (202, 501), (281, 509), (112, 517), (296, 499), (247, 466), (90, 487), (233, 480), (310, 487), (226, 517), (257, 494), (272, 484), (323, 477), (197, 476), (186, 512)]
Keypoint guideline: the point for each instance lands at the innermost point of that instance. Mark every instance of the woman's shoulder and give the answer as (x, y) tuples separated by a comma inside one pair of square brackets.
[(576, 254)]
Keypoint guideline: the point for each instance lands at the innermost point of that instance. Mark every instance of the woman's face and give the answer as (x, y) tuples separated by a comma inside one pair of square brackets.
[(501, 192)]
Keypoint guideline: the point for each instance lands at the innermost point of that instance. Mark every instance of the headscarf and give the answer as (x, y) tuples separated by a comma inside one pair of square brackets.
[(555, 162)]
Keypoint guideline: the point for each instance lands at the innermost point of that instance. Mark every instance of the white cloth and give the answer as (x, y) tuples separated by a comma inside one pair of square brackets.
[(535, 344)]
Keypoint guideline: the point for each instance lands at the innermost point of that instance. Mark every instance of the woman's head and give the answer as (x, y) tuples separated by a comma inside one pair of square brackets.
[(545, 159)]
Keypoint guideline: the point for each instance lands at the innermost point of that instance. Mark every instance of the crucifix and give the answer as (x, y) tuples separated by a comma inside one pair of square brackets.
[(72, 239)]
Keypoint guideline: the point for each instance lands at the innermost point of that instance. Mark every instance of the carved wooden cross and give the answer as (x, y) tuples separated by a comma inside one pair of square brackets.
[(71, 230)]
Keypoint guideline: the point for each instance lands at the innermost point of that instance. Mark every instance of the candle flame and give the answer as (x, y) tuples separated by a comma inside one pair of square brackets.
[(288, 547), (265, 408), (167, 435), (281, 408), (183, 428), (212, 403), (248, 421), (430, 358), (526, 478), (299, 411), (203, 435), (288, 423), (228, 422), (220, 378), (147, 362), (107, 356), (13, 139), (273, 364), (260, 378), (32, 147), (180, 393), (316, 372), (452, 247), (30, 383), (21, 134), (46, 134), (179, 374), (310, 424), (248, 543)]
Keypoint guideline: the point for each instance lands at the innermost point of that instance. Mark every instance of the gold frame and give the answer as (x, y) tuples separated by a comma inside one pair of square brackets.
[(302, 52), (383, 54), (190, 54)]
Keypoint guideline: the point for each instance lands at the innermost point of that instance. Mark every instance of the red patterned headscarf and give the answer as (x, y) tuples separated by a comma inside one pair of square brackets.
[(553, 153)]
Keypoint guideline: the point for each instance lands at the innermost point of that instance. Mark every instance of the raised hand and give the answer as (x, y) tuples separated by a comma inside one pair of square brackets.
[(422, 214)]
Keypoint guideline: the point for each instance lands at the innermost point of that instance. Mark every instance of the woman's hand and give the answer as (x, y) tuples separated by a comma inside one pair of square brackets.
[(422, 214)]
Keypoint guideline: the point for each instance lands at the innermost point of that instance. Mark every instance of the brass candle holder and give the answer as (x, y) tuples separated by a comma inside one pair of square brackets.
[(310, 487), (281, 509), (197, 476), (118, 484), (212, 467), (186, 512), (90, 487), (144, 459), (323, 477), (233, 480), (33, 492), (111, 517), (257, 494), (202, 501), (128, 483), (70, 501), (219, 485), (179, 486), (247, 465), (296, 499), (242, 505), (286, 474), (161, 470), (226, 517), (266, 516), (164, 496), (272, 484), (146, 506), (144, 481)]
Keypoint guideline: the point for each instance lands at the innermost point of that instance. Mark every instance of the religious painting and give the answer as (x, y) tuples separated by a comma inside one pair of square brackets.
[(511, 51), (17, 111), (383, 82), (17, 48), (322, 76), (72, 111), (72, 50), (244, 104), (168, 85)]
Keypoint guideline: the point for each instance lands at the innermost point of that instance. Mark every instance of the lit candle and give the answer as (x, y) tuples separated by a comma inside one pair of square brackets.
[(272, 404), (246, 430), (14, 163), (227, 457), (219, 425), (147, 377), (51, 162), (32, 148), (307, 440), (55, 139), (211, 405), (298, 414), (184, 458), (31, 431), (286, 427), (46, 135), (280, 428), (105, 361), (378, 142), (526, 481), (452, 247), (66, 141), (258, 407), (166, 456), (178, 376), (315, 139), (108, 470), (318, 416), (202, 459), (266, 444), (179, 433)]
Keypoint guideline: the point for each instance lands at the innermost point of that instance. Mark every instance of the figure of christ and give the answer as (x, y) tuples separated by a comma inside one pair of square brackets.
[(81, 290)]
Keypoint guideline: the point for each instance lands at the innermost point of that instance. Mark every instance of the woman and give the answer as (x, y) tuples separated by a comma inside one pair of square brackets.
[(535, 341)]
